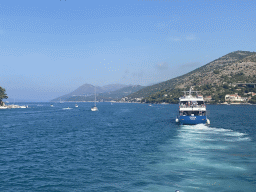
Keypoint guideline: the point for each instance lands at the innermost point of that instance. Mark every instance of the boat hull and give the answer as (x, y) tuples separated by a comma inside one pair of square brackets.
[(94, 109), (192, 120)]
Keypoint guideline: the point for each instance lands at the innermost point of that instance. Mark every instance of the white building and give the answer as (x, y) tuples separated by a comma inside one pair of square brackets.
[(208, 98), (124, 99), (138, 99), (235, 98)]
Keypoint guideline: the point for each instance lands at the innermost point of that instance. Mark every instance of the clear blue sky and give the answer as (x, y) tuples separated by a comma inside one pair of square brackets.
[(51, 47)]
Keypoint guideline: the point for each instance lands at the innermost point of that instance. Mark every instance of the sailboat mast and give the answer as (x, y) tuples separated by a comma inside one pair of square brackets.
[(95, 96)]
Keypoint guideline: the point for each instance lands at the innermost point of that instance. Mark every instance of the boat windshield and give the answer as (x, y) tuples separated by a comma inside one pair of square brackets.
[(192, 103)]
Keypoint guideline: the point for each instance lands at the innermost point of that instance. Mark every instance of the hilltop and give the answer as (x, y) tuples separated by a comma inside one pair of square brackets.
[(88, 89), (235, 67)]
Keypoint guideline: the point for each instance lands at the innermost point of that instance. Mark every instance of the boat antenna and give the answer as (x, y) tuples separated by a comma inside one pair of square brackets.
[(190, 90)]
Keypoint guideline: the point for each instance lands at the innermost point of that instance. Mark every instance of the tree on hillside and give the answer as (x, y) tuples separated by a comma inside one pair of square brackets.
[(2, 95), (253, 100)]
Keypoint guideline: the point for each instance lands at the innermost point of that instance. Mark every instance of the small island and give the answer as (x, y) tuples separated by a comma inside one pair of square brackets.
[(3, 95)]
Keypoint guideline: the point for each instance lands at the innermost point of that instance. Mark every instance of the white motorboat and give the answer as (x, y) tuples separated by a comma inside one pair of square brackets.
[(192, 109)]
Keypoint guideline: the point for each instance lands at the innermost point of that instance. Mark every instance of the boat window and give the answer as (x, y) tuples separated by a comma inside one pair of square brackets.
[(194, 103), (193, 113), (200, 102)]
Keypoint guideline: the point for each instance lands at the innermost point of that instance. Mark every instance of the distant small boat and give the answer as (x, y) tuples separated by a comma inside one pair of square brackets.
[(66, 108), (150, 105), (76, 105), (51, 105), (94, 108)]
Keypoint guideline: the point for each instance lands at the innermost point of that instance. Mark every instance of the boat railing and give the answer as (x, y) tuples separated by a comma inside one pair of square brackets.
[(193, 105)]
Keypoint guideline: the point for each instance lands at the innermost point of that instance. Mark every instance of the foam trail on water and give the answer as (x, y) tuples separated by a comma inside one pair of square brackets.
[(201, 157)]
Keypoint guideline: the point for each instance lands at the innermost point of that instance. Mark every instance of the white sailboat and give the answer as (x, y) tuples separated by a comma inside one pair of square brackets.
[(23, 106), (94, 108)]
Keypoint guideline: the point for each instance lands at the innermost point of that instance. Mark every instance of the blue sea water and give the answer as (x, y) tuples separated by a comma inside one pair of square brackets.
[(126, 147)]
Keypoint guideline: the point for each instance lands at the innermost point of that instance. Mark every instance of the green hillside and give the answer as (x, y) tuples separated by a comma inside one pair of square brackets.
[(215, 91), (214, 79)]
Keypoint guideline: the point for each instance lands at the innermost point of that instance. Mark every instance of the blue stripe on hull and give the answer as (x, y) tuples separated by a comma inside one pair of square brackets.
[(192, 120)]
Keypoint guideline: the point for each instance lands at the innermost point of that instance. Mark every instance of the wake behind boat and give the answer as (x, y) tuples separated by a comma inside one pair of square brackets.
[(192, 109), (66, 108)]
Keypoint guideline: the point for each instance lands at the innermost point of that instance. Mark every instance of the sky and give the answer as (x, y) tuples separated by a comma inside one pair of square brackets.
[(51, 47)]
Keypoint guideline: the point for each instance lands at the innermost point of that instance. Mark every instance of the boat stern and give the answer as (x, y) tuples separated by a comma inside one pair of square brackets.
[(192, 120)]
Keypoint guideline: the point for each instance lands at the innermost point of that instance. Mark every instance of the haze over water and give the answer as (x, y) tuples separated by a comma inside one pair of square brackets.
[(126, 147)]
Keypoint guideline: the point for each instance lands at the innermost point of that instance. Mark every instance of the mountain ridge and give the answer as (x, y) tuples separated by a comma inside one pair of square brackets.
[(108, 96), (232, 67), (88, 89), (109, 92)]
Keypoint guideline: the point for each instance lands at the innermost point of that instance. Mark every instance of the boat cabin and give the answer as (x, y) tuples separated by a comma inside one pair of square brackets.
[(195, 103)]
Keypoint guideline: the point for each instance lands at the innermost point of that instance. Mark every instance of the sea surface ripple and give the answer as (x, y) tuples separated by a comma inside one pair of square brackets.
[(126, 147)]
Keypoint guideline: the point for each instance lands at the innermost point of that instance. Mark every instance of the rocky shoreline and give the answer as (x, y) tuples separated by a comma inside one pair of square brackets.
[(13, 106)]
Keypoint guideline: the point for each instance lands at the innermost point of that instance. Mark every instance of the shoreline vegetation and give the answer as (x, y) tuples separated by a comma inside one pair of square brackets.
[(3, 95), (213, 94)]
